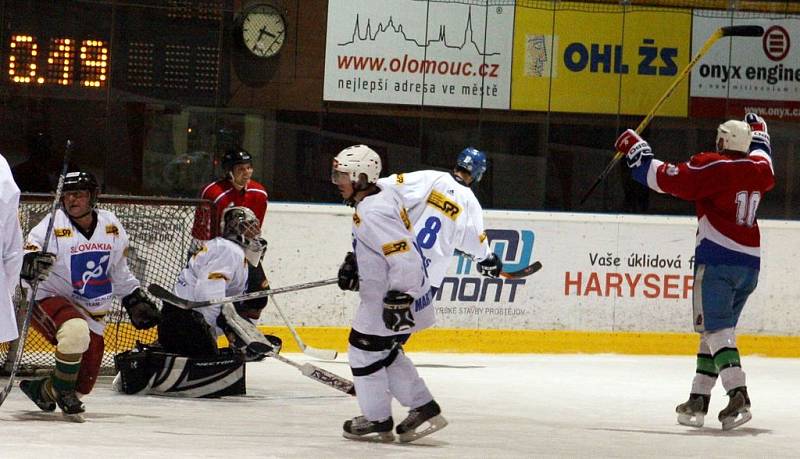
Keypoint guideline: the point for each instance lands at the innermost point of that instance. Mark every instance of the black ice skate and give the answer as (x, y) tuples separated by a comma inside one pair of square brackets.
[(430, 413), (738, 410), (33, 388), (692, 412), (359, 428), (71, 406)]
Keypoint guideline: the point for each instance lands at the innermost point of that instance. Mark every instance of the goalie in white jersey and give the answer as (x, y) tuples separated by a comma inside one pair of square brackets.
[(76, 284), (218, 269), (446, 214), (387, 269)]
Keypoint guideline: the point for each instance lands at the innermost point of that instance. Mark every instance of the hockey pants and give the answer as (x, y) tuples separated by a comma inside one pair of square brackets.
[(381, 370)]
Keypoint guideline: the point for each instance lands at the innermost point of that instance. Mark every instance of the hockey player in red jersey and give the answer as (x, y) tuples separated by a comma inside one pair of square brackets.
[(726, 186), (237, 188)]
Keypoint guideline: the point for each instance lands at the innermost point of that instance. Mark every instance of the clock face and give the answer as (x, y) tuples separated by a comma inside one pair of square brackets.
[(263, 30)]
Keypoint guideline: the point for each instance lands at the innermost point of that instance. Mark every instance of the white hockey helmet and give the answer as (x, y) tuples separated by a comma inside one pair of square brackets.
[(734, 135), (354, 161), (240, 225)]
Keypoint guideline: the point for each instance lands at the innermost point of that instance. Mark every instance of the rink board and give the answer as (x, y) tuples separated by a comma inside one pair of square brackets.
[(609, 283)]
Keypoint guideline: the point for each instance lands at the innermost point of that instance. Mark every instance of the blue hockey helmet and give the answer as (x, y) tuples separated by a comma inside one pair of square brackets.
[(473, 161)]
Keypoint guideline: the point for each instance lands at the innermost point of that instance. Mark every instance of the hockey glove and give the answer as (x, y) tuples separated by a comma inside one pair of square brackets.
[(397, 311), (491, 266), (348, 273), (36, 265), (142, 310), (759, 128), (637, 151)]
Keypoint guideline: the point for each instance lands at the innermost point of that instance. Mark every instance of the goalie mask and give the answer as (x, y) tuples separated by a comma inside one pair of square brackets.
[(240, 225), (734, 135), (473, 161)]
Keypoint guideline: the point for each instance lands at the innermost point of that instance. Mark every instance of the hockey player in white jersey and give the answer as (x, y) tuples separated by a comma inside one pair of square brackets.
[(395, 301), (446, 214), (218, 269), (10, 250), (77, 282)]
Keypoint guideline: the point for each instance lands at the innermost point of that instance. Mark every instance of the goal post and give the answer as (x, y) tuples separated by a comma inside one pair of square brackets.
[(160, 233)]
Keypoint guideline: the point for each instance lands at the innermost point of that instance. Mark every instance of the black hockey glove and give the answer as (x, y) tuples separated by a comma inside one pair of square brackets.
[(36, 265), (348, 273), (397, 311), (491, 266), (142, 310)]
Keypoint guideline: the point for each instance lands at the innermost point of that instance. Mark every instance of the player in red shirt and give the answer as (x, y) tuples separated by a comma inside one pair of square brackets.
[(237, 188), (726, 186)]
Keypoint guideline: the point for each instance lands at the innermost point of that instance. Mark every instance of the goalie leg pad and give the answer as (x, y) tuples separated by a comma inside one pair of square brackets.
[(133, 372), (149, 370), (210, 377), (242, 332)]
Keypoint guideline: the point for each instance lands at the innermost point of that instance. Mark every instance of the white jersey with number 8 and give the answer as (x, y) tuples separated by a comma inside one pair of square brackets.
[(446, 216)]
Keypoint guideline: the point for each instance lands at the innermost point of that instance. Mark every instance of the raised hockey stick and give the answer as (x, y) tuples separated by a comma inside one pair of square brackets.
[(164, 294), (318, 374), (322, 354), (730, 31), (23, 333)]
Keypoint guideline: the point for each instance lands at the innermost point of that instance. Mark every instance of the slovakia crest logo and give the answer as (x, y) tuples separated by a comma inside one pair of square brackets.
[(90, 274)]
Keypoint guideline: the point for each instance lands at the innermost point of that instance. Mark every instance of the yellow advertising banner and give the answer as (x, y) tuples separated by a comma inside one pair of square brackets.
[(572, 60)]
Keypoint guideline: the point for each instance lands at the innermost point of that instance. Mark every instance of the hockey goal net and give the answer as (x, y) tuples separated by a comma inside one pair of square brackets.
[(159, 230)]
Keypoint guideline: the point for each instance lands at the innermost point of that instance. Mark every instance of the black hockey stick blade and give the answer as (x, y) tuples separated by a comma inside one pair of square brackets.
[(743, 31), (524, 272)]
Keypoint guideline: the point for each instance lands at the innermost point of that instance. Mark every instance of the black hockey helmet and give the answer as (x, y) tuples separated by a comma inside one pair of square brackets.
[(76, 181), (234, 156)]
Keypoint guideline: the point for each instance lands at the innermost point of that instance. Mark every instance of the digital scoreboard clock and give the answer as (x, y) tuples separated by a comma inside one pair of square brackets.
[(61, 61), (153, 50)]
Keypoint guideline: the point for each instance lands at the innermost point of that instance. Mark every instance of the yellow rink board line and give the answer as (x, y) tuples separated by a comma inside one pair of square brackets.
[(545, 342), (505, 341)]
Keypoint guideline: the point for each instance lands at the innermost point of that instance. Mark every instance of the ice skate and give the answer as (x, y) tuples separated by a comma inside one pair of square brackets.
[(692, 412), (361, 429), (71, 406), (430, 413), (33, 388), (738, 410)]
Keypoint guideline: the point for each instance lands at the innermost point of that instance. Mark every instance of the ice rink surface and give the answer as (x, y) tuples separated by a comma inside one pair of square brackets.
[(497, 406)]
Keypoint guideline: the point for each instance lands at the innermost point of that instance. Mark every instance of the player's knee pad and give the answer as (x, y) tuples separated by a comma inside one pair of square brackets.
[(720, 339), (370, 353), (73, 337)]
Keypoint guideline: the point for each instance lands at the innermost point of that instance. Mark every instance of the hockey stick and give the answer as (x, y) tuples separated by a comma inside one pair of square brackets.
[(730, 31), (524, 272), (318, 374), (164, 294), (322, 354), (519, 274), (23, 333)]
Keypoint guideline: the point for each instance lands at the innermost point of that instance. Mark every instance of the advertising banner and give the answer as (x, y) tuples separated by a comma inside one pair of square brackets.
[(746, 74), (568, 60), (442, 53), (600, 273)]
